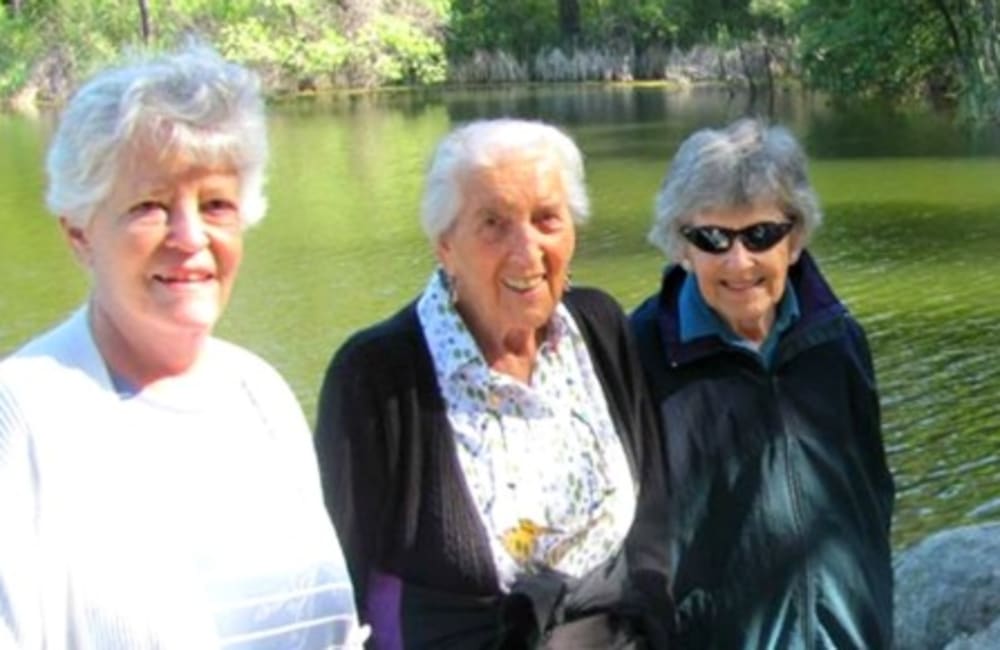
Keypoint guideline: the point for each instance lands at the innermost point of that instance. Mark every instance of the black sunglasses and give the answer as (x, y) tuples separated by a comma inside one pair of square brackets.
[(756, 238)]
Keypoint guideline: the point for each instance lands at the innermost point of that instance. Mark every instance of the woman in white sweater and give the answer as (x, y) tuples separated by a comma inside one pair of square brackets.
[(158, 487)]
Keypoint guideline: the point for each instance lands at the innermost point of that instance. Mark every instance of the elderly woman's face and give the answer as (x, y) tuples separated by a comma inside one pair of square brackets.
[(741, 285), (163, 249), (509, 249)]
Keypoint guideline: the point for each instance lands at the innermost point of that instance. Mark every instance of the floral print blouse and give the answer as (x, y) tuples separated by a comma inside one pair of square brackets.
[(542, 461)]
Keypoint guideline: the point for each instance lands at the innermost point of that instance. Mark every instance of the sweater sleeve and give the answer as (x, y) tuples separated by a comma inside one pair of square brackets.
[(353, 461), (20, 563), (614, 352), (648, 539), (279, 405)]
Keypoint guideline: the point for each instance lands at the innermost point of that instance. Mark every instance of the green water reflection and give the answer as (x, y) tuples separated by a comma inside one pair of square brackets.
[(911, 243)]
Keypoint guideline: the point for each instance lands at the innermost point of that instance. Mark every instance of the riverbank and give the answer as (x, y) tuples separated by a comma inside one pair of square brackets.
[(49, 80), (889, 52)]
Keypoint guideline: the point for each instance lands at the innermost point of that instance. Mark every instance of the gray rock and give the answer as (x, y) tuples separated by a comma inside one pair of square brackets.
[(988, 639), (947, 586)]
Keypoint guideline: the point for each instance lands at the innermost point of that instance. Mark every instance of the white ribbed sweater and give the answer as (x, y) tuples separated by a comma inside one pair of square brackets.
[(190, 522)]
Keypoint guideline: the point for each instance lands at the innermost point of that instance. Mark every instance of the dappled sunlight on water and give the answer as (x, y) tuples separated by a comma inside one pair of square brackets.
[(924, 285)]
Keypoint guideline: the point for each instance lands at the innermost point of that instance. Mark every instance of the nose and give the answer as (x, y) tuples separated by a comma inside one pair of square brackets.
[(185, 227), (738, 256), (525, 245)]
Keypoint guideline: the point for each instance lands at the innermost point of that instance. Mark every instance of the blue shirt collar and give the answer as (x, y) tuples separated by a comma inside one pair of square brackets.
[(697, 319)]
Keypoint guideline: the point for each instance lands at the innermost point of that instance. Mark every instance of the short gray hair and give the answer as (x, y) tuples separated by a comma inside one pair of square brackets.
[(738, 166), (191, 103), (481, 144)]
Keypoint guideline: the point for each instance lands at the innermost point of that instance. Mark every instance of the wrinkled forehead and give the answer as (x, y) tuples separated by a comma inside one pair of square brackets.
[(738, 215), (733, 187), (144, 169), (536, 169), (174, 147)]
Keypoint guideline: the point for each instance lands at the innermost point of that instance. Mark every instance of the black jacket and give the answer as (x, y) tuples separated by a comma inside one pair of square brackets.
[(781, 495), (416, 550)]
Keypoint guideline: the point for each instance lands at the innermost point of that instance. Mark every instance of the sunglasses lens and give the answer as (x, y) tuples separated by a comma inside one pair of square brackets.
[(762, 236), (709, 238), (756, 238)]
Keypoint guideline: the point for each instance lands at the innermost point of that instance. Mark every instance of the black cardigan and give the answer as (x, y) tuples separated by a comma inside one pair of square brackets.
[(418, 555)]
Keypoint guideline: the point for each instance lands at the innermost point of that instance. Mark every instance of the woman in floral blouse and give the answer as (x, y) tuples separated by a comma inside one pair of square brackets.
[(487, 452)]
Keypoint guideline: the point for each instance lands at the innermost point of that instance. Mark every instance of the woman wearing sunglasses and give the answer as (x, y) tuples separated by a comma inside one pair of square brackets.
[(781, 494)]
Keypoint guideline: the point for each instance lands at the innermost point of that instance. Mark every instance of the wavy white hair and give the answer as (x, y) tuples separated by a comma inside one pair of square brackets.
[(745, 164), (191, 104), (481, 144)]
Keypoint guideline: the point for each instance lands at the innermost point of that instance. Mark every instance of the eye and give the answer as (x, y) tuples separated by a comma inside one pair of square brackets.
[(491, 226), (490, 221), (220, 210), (548, 220), (150, 210)]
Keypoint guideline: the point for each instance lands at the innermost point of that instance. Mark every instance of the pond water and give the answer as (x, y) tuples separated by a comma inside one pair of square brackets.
[(911, 242)]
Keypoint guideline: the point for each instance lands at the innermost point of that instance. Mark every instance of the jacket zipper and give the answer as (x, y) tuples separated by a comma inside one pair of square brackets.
[(803, 588)]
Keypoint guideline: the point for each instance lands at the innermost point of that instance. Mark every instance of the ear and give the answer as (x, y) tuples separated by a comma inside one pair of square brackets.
[(442, 250), (685, 259), (798, 245), (78, 241)]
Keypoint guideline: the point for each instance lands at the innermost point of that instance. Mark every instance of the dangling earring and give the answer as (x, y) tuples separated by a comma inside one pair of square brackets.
[(449, 282), (568, 284)]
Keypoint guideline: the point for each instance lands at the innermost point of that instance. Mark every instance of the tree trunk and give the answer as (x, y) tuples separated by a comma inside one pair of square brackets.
[(747, 72), (990, 28), (972, 44), (769, 76), (954, 34), (144, 21), (965, 52), (569, 21)]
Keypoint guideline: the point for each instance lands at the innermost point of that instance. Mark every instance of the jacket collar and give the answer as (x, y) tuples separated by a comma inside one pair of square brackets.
[(817, 305)]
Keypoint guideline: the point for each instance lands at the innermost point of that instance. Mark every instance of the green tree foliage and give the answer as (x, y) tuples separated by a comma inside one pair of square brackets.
[(47, 42), (895, 48), (294, 43), (905, 49), (524, 27), (776, 16), (973, 30), (361, 43), (521, 27), (19, 46), (290, 43), (408, 55), (636, 23)]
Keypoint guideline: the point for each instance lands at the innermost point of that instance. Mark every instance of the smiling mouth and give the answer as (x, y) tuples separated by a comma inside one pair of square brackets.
[(745, 285), (524, 285), (183, 278)]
